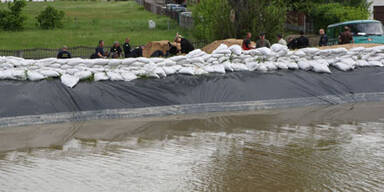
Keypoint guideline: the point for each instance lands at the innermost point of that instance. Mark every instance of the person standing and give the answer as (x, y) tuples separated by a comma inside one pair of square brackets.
[(246, 45), (280, 39), (64, 53), (185, 45), (262, 42), (346, 37), (127, 48), (323, 38), (302, 41)]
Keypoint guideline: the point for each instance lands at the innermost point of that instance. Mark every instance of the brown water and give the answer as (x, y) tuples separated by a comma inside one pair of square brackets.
[(338, 148)]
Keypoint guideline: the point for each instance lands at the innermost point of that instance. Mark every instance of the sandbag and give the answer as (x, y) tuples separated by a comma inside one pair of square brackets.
[(35, 76), (83, 74), (69, 80), (101, 76), (235, 49), (49, 73), (128, 76), (113, 76)]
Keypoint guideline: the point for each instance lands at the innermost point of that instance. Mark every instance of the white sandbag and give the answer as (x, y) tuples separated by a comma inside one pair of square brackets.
[(362, 63), (187, 71), (170, 70), (55, 65), (304, 65), (310, 51), (143, 60), (113, 76), (74, 61), (292, 65), (375, 64), (35, 76), (235, 49), (339, 51), (83, 74), (282, 65), (128, 76), (160, 72), (265, 51), (228, 66), (169, 62), (49, 73), (299, 53), (221, 47), (200, 71), (262, 68), (178, 58), (114, 62), (218, 69), (71, 71), (343, 66), (239, 67), (69, 80), (156, 60), (128, 61), (252, 66), (324, 52), (222, 51), (19, 74), (271, 66), (280, 50), (319, 67), (100, 61), (254, 52), (6, 74), (101, 76), (195, 53), (196, 60), (61, 61)]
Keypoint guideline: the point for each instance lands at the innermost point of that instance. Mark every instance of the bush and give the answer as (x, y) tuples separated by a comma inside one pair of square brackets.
[(325, 14), (220, 19), (12, 20), (50, 18)]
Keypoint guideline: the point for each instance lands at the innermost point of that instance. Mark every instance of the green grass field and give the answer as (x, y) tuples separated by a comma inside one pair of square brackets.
[(86, 22)]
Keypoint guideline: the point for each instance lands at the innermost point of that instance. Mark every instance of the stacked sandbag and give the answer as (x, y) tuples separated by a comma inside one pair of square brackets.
[(222, 60)]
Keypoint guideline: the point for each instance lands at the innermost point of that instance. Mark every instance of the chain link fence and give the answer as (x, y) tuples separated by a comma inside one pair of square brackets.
[(81, 51)]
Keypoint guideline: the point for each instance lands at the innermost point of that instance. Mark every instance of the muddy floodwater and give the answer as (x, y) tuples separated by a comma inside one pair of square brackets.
[(328, 148)]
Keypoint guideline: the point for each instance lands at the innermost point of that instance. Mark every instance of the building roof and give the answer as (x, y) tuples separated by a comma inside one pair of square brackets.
[(354, 22)]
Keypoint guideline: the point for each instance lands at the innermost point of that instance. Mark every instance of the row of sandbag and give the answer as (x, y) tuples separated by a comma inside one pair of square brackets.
[(197, 62)]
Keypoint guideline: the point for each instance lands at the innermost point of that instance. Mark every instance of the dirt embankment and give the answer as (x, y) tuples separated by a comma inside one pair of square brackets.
[(157, 45), (229, 42)]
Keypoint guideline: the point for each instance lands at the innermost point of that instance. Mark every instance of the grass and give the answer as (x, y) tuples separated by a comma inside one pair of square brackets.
[(86, 22)]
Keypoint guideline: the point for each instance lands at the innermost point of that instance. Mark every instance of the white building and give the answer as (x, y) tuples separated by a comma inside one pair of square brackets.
[(377, 10)]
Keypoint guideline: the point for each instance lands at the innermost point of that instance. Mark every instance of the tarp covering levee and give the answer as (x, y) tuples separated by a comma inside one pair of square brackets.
[(19, 98)]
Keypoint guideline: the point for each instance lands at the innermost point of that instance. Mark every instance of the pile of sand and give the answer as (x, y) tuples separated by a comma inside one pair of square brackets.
[(350, 46), (229, 42), (157, 45)]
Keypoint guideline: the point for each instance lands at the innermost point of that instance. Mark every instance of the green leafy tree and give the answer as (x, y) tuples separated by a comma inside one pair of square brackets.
[(50, 18), (12, 19), (220, 19)]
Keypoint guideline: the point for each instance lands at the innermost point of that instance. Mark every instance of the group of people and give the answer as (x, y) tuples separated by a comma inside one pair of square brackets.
[(297, 43), (127, 52), (345, 37)]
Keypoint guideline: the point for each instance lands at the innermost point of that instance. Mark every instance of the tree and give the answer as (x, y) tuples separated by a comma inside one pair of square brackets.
[(12, 19), (220, 19), (50, 18)]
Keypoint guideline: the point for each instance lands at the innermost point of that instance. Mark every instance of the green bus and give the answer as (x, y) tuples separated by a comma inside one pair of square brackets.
[(364, 31)]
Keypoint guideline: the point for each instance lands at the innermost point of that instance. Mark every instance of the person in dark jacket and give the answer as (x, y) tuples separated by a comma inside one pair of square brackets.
[(346, 37), (127, 48), (99, 51), (138, 52), (115, 51), (185, 45), (302, 41), (64, 53), (323, 38)]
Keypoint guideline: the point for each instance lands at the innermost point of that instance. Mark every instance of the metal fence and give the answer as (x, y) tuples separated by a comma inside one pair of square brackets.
[(81, 51)]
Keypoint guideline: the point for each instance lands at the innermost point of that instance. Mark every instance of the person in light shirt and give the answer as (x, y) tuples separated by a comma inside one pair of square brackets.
[(281, 40)]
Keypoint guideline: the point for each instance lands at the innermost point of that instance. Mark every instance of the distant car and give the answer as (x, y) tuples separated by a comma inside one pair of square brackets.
[(364, 31)]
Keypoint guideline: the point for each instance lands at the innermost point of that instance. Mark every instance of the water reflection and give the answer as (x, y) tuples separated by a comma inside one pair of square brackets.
[(338, 148)]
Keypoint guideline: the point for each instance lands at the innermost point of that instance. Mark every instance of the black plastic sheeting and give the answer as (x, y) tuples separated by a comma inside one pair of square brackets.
[(19, 98)]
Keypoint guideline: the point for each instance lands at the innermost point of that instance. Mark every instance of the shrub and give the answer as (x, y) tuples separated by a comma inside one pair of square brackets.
[(325, 14), (12, 19), (220, 19), (50, 18)]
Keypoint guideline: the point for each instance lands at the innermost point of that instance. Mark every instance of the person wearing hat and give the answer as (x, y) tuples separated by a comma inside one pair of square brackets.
[(262, 42), (64, 53), (185, 45)]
